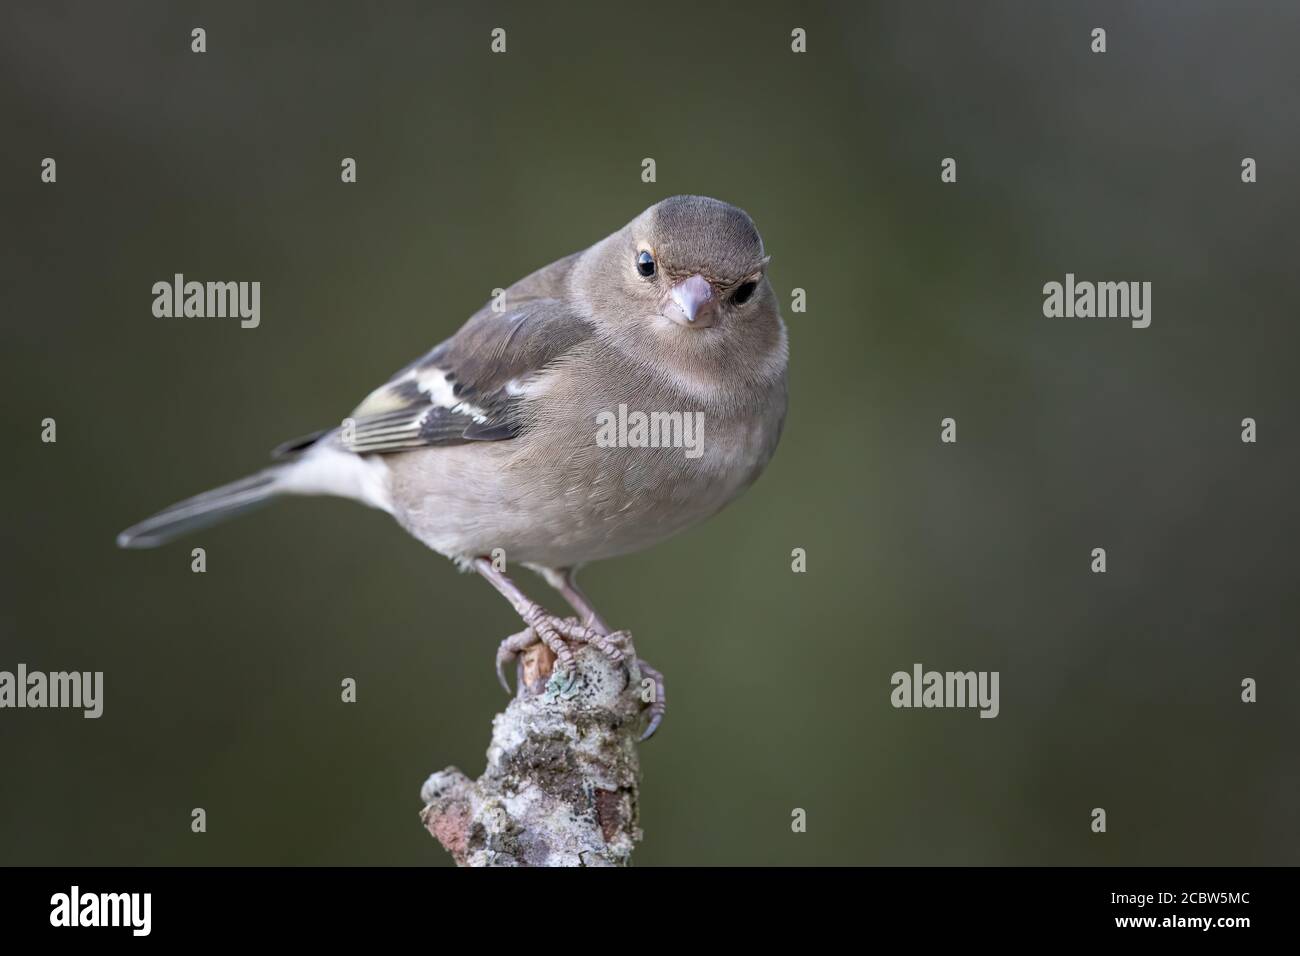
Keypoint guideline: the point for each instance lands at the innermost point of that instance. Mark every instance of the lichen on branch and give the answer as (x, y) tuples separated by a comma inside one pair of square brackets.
[(560, 787)]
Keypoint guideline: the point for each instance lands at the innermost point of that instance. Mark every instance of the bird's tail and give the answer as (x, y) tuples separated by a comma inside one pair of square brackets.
[(204, 510)]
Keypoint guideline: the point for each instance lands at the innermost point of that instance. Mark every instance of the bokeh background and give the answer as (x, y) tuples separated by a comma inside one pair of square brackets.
[(924, 301)]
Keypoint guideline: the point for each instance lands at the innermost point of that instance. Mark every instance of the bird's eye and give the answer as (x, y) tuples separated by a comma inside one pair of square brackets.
[(743, 292), (645, 264)]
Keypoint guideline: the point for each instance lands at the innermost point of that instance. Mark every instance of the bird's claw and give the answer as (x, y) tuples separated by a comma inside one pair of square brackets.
[(510, 649), (658, 701)]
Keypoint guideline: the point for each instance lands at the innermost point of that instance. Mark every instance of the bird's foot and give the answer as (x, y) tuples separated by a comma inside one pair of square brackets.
[(556, 633)]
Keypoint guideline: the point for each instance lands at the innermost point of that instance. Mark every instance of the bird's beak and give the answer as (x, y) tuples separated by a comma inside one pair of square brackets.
[(692, 303)]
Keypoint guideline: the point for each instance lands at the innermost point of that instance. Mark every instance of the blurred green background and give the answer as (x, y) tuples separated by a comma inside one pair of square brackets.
[(924, 301)]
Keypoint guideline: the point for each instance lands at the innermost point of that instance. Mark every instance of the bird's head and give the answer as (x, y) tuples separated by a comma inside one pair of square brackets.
[(696, 262), (686, 282)]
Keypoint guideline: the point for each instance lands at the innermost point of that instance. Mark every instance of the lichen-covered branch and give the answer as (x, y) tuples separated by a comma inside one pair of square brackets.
[(560, 788)]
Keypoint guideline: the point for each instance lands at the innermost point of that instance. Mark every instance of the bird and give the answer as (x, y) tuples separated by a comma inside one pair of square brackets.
[(501, 441)]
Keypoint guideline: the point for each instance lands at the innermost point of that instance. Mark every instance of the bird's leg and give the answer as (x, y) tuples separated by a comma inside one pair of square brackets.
[(565, 580), (544, 626)]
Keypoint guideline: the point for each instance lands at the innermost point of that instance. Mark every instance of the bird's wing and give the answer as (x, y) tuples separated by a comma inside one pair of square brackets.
[(468, 388)]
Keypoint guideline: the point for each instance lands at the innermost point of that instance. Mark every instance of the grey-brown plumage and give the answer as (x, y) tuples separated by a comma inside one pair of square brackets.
[(493, 439)]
